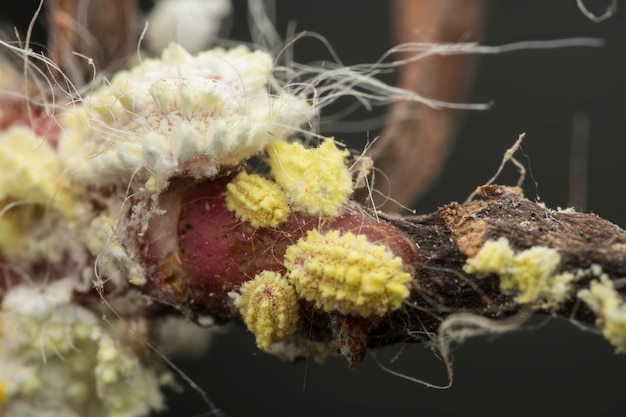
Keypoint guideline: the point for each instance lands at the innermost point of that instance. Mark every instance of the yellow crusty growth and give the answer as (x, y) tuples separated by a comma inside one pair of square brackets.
[(316, 180), (269, 307), (347, 273), (31, 178), (58, 358), (610, 309), (529, 273), (257, 200), (31, 170)]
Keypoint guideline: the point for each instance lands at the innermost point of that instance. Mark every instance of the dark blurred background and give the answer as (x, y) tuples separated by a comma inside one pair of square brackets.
[(548, 368)]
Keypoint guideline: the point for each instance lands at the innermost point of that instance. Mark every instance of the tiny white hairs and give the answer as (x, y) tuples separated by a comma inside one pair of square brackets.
[(611, 9), (191, 23)]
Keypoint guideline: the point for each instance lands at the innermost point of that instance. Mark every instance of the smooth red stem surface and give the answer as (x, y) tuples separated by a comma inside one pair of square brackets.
[(215, 252)]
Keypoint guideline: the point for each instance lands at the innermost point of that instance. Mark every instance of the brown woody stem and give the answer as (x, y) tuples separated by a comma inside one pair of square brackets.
[(441, 288)]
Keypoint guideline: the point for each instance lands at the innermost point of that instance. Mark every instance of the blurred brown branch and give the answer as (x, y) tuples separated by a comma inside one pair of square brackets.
[(417, 139), (104, 31)]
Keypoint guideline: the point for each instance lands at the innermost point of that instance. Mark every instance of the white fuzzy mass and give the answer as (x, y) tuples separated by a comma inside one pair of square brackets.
[(179, 115)]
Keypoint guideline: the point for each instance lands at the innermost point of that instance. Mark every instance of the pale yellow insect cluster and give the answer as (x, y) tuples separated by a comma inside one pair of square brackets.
[(610, 309), (257, 200), (34, 193), (59, 358), (32, 171), (316, 180), (89, 192), (337, 272), (529, 274), (269, 307), (347, 273)]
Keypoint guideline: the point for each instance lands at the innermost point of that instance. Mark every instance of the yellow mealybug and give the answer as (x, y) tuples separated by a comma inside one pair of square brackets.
[(316, 180), (31, 170), (347, 273), (269, 307), (32, 183), (610, 309), (529, 273), (257, 200)]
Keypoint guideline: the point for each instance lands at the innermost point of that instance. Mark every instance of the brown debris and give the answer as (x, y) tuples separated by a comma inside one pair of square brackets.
[(468, 230), (463, 221), (350, 337)]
